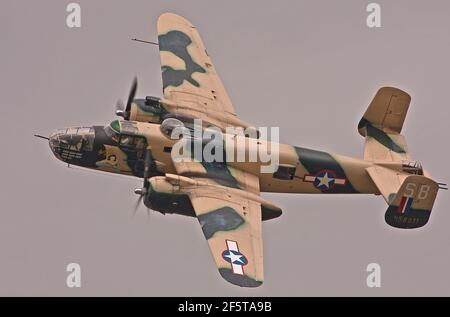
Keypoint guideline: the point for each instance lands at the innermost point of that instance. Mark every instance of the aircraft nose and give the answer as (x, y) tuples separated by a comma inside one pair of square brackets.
[(54, 142), (71, 144)]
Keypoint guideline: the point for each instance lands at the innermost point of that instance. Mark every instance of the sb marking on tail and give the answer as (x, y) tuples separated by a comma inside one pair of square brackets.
[(412, 205)]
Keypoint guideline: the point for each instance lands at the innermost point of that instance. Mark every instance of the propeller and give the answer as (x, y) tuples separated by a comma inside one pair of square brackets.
[(138, 202), (143, 191), (125, 113), (120, 108)]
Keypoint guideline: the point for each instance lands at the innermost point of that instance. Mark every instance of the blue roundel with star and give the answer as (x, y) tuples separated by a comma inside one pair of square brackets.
[(325, 180), (234, 257)]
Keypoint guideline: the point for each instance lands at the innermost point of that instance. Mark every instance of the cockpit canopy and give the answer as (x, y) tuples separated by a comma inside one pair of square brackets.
[(113, 130), (125, 134)]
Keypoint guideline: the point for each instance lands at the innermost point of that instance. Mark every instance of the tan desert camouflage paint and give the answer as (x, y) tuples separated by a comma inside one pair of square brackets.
[(224, 196)]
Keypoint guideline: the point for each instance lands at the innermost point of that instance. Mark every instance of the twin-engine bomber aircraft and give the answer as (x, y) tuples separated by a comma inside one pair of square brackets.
[(224, 196)]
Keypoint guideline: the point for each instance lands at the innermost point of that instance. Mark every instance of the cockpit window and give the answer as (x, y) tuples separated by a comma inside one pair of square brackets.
[(115, 125), (126, 140), (113, 134), (72, 131), (85, 130), (133, 144), (60, 131), (137, 142)]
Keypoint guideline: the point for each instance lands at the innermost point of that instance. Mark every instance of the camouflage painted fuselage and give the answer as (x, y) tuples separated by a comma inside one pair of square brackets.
[(300, 170), (224, 194)]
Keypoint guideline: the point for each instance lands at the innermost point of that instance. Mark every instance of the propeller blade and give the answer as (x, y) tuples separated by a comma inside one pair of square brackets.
[(147, 165), (131, 95), (120, 111), (142, 191), (120, 105), (136, 206)]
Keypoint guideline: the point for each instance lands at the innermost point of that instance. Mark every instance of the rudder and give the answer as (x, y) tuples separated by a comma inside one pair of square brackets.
[(382, 123), (411, 206)]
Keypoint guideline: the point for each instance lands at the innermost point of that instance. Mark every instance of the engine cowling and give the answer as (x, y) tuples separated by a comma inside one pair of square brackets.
[(149, 109), (166, 197), (169, 194)]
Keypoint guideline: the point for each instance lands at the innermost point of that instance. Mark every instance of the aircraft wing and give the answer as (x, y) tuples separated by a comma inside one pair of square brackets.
[(227, 204), (231, 223), (190, 81)]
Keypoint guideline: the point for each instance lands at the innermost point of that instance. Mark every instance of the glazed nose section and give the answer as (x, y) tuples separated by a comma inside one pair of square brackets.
[(70, 144), (55, 143)]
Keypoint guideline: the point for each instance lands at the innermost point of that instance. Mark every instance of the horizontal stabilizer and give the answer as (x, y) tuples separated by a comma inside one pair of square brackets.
[(387, 181)]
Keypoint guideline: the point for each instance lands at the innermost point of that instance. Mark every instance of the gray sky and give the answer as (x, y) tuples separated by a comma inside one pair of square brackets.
[(309, 67)]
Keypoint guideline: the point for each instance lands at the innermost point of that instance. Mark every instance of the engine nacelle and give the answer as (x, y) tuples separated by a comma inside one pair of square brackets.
[(168, 194), (165, 197), (147, 110)]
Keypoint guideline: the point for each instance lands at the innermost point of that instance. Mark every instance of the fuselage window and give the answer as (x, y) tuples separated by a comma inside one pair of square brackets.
[(135, 144), (285, 172)]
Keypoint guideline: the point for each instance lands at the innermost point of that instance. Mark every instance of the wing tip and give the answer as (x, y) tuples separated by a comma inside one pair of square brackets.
[(173, 18), (391, 90), (239, 280)]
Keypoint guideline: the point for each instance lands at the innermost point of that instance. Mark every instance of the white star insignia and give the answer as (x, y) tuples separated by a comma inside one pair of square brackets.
[(233, 257), (325, 180)]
